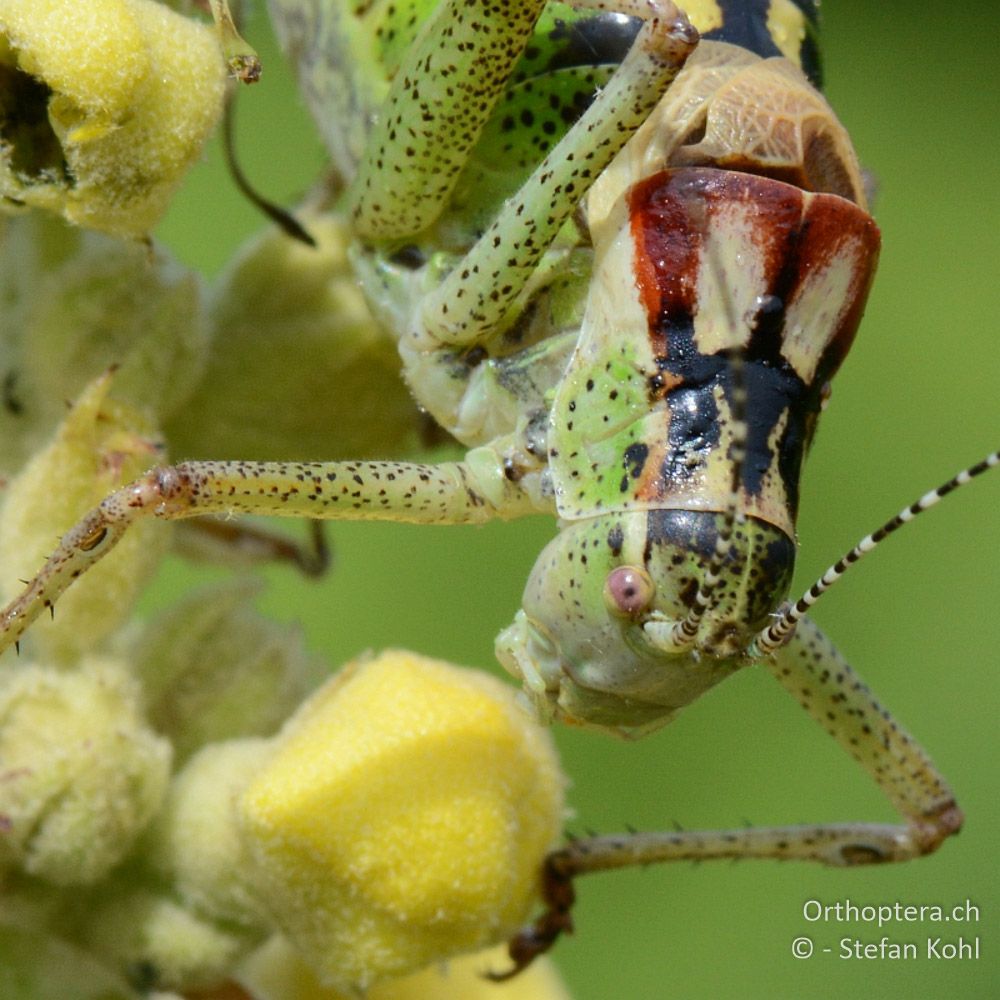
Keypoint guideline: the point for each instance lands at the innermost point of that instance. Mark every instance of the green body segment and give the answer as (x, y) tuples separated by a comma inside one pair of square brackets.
[(417, 145)]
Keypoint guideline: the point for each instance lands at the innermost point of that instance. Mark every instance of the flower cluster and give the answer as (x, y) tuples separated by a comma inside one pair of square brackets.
[(191, 804)]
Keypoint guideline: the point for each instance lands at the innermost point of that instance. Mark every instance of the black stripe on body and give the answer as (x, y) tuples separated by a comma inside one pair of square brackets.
[(605, 39), (772, 389), (745, 24)]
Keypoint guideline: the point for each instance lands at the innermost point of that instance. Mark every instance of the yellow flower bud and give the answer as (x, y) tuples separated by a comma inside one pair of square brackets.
[(403, 818), (276, 972), (111, 102), (213, 668), (284, 300), (83, 774), (77, 302), (194, 842), (99, 446)]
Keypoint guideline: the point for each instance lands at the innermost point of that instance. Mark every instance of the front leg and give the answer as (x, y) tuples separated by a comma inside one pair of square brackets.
[(475, 298), (811, 669), (468, 492)]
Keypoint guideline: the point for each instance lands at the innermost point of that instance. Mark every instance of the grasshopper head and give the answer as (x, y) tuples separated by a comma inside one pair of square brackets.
[(592, 641)]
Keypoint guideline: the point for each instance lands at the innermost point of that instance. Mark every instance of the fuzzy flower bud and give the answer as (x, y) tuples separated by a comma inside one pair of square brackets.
[(194, 842), (82, 772), (76, 302), (403, 819), (290, 322), (99, 446), (213, 668), (138, 928), (105, 105)]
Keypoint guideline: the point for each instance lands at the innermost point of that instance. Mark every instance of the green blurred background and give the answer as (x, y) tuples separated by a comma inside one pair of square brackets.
[(917, 86)]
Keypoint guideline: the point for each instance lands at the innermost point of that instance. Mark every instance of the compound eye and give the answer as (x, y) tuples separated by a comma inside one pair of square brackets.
[(628, 591)]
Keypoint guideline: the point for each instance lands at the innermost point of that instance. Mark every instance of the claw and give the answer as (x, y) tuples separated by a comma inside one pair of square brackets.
[(530, 942)]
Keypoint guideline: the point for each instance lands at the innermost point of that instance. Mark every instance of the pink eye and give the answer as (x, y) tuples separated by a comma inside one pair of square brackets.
[(628, 591)]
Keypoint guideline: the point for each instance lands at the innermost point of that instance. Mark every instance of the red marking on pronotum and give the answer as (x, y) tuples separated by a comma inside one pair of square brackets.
[(835, 228), (672, 211), (668, 248), (794, 237)]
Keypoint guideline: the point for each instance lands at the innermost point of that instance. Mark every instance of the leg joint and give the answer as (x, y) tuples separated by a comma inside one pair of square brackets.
[(936, 827), (920, 836)]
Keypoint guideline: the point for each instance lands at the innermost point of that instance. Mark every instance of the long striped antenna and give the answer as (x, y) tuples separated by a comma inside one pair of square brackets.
[(780, 630)]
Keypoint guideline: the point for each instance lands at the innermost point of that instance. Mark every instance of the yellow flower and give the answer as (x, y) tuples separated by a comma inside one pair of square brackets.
[(104, 106), (402, 819), (276, 972)]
